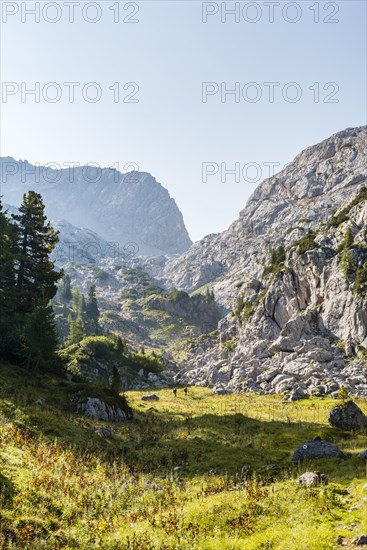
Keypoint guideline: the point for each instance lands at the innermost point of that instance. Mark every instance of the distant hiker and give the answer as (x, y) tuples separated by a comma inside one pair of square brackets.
[(185, 391), (175, 392)]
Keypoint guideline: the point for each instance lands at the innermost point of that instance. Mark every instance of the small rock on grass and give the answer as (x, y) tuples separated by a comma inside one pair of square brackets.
[(104, 432), (312, 479)]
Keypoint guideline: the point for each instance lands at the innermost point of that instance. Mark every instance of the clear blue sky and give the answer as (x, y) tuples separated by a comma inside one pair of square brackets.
[(170, 132)]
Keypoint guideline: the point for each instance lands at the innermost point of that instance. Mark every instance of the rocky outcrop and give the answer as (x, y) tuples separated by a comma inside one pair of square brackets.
[(300, 323), (97, 409), (348, 416), (130, 210)]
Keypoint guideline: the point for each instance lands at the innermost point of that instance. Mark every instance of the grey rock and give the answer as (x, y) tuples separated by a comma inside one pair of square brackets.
[(360, 540), (220, 390), (317, 448), (99, 410), (362, 454), (312, 479), (348, 416), (104, 432), (150, 397)]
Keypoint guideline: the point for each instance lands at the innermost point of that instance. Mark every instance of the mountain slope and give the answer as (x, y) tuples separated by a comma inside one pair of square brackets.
[(282, 208), (300, 327), (122, 208)]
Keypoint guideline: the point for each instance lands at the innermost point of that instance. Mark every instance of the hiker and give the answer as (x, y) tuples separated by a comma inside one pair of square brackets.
[(175, 392), (185, 391)]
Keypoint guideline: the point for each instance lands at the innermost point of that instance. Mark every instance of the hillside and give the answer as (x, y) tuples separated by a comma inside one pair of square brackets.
[(190, 472)]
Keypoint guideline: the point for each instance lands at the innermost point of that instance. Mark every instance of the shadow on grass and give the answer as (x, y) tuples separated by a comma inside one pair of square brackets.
[(170, 442)]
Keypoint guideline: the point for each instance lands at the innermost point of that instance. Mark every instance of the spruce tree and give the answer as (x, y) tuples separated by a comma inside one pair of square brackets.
[(92, 312), (77, 322), (66, 294), (36, 276), (35, 284)]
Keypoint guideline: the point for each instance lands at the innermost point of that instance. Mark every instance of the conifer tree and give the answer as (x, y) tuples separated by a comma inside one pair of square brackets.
[(66, 294), (35, 283), (116, 380), (36, 276), (92, 312), (77, 324)]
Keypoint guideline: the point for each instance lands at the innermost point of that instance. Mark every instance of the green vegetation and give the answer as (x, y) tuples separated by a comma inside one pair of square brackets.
[(229, 345), (139, 284), (83, 318), (337, 219), (178, 295), (243, 310), (190, 474), (96, 358), (360, 285), (307, 242), (100, 274), (347, 260), (277, 259)]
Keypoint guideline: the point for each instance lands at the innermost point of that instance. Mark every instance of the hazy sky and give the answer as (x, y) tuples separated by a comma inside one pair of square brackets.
[(269, 53)]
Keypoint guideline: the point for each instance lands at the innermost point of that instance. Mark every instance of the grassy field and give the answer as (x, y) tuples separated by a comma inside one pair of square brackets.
[(189, 473)]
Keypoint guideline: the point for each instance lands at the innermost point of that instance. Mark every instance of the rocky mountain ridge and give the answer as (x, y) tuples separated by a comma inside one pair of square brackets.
[(128, 210), (282, 208)]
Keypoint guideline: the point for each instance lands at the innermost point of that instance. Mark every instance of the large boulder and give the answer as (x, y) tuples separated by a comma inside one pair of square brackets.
[(348, 416), (97, 409), (317, 448)]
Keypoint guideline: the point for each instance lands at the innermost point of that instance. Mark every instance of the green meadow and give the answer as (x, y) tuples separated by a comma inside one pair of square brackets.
[(189, 472)]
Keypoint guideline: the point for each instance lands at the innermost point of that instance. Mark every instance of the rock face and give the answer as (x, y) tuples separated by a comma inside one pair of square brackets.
[(122, 208), (99, 410), (312, 479), (317, 448), (302, 325), (348, 417)]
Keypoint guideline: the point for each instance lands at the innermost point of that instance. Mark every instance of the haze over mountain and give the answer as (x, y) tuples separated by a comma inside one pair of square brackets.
[(122, 208)]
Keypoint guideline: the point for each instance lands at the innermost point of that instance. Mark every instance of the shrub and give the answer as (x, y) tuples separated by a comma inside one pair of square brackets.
[(307, 242), (229, 345), (178, 295), (360, 285), (243, 309), (102, 347), (277, 259), (337, 219)]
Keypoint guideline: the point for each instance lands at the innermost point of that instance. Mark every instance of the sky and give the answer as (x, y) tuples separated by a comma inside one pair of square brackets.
[(152, 86)]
